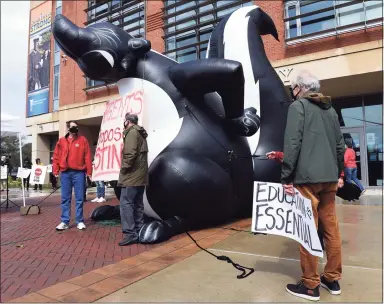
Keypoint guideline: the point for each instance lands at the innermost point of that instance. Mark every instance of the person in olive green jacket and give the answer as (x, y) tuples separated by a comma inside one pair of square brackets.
[(313, 162), (133, 178)]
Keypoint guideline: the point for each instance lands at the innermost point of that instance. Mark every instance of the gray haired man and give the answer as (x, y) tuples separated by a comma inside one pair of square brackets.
[(313, 162), (133, 178)]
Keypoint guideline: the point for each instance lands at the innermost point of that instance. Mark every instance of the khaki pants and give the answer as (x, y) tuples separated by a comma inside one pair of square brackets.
[(322, 196)]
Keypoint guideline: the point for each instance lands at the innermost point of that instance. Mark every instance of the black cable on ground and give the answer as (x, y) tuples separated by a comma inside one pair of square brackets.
[(224, 258)]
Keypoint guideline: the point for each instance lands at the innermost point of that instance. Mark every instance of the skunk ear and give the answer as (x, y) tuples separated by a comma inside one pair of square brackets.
[(139, 46)]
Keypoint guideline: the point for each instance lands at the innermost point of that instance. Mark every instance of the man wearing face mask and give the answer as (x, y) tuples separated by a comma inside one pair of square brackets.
[(313, 161), (133, 178), (72, 158)]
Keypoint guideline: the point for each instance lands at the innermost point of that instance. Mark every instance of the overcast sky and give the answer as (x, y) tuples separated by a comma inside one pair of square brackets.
[(14, 54)]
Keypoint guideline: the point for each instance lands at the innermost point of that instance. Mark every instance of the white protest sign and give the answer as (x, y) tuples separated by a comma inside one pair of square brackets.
[(107, 160), (23, 172), (275, 212), (49, 168), (38, 174), (4, 172)]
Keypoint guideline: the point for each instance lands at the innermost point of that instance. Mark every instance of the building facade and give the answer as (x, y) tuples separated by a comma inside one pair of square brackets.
[(339, 41)]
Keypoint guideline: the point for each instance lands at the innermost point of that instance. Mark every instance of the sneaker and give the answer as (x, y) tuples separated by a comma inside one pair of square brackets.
[(95, 200), (81, 226), (101, 200), (299, 290), (61, 227), (332, 287)]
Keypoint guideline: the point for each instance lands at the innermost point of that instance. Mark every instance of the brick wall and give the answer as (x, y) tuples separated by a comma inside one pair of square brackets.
[(154, 25), (72, 81), (278, 50)]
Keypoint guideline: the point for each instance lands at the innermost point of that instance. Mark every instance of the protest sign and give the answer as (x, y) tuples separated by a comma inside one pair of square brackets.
[(278, 213), (49, 168), (107, 161), (23, 172), (38, 174), (4, 172)]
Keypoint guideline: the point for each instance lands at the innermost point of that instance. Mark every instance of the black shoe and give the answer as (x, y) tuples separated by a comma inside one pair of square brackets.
[(332, 287), (299, 290), (128, 241)]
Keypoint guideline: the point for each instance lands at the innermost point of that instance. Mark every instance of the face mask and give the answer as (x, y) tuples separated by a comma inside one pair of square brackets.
[(293, 96), (74, 129)]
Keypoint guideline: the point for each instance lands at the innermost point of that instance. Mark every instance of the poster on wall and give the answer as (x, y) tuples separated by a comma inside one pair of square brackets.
[(38, 175), (107, 159), (275, 212), (39, 60)]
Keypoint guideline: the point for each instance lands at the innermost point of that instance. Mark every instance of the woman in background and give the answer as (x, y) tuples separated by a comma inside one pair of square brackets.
[(350, 166), (39, 163)]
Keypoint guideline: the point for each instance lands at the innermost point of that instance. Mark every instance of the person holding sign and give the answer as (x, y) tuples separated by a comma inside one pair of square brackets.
[(28, 165), (39, 163), (133, 178), (72, 158), (313, 162)]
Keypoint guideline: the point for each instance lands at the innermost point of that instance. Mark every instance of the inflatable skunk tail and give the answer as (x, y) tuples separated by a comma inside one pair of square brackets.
[(264, 22)]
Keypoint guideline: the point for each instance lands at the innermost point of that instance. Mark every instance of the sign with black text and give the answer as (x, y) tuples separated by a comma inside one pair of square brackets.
[(278, 213), (38, 175)]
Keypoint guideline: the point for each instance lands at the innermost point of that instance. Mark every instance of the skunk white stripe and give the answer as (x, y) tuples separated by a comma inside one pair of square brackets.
[(236, 48)]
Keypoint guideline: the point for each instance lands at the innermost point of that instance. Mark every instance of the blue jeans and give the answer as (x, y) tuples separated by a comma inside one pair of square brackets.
[(351, 175), (100, 188), (72, 179)]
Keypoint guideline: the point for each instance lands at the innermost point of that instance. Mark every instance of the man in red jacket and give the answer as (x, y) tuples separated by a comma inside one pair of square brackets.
[(72, 158)]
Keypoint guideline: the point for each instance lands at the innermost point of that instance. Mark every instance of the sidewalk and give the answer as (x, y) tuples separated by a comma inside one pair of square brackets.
[(177, 271)]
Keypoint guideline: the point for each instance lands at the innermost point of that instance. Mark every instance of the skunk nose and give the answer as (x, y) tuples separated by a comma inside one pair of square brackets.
[(73, 40)]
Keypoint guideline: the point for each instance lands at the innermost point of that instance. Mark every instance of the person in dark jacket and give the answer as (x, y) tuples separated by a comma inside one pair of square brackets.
[(28, 165), (133, 178), (313, 162)]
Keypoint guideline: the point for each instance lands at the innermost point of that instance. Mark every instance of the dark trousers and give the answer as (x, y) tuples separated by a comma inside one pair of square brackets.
[(132, 210), (53, 180), (40, 187), (26, 183)]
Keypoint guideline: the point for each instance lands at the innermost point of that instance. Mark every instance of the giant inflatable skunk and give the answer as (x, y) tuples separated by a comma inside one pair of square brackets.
[(202, 172)]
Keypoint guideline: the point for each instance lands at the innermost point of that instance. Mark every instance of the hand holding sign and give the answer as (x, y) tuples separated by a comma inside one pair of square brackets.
[(277, 212)]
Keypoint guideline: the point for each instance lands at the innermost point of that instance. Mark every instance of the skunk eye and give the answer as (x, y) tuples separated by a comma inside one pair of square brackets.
[(106, 55)]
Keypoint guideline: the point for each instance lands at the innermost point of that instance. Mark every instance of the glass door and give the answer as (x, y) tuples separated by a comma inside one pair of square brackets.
[(356, 136)]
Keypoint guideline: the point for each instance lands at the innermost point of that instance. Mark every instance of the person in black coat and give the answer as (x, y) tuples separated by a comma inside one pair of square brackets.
[(27, 165)]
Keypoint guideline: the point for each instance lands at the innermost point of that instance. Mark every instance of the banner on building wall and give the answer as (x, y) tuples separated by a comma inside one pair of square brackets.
[(275, 212), (107, 160), (39, 60), (37, 174)]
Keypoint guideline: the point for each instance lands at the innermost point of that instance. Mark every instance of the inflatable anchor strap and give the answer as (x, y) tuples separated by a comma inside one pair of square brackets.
[(243, 269), (46, 197)]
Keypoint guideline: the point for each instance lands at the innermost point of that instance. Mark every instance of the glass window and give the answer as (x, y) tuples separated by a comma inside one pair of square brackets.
[(374, 9), (351, 14), (58, 3), (177, 39), (350, 111), (57, 58), (58, 10), (56, 86), (318, 22)]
